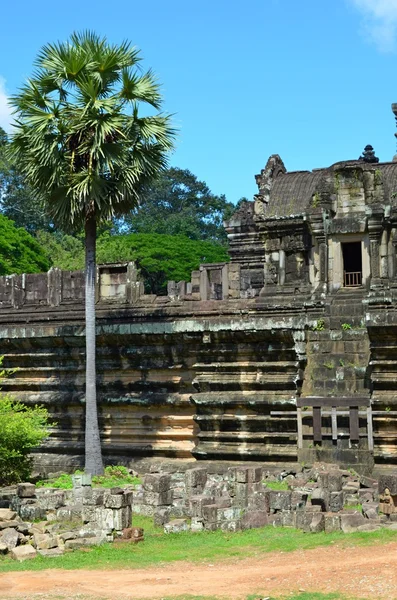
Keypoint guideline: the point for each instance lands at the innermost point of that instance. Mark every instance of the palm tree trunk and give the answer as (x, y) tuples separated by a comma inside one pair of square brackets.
[(93, 453)]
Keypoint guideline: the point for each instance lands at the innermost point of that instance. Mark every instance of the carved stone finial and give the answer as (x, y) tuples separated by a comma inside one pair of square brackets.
[(368, 155)]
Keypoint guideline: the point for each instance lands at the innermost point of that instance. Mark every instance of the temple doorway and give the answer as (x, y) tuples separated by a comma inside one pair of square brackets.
[(352, 264)]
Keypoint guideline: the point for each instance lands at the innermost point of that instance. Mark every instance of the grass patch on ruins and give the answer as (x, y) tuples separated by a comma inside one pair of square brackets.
[(160, 548), (114, 476), (278, 486)]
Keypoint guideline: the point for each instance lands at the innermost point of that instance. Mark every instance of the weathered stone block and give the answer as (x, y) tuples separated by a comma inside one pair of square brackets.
[(22, 553), (91, 514), (331, 522), (196, 505), (253, 519), (298, 500), (317, 523), (26, 490), (228, 514), (50, 499), (176, 526), (335, 481), (351, 522), (321, 497), (50, 552), (388, 481), (116, 501), (161, 516), (197, 525), (44, 541), (303, 520), (196, 478), (280, 500), (335, 501), (92, 496), (9, 537), (209, 512), (259, 501), (68, 513), (154, 482), (83, 542), (240, 495), (231, 526), (7, 515), (158, 498)]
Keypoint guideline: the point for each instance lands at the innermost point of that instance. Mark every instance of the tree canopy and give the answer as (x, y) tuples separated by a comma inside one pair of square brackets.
[(177, 203), (159, 257), (19, 251), (17, 200)]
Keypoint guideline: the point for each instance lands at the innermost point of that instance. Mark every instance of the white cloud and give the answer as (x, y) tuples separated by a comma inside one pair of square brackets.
[(5, 111), (379, 21)]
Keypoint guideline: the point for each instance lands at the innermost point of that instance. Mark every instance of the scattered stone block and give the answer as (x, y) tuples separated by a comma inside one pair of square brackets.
[(253, 519), (9, 537), (26, 490), (350, 522), (83, 542), (158, 498), (156, 482), (331, 522), (44, 541), (197, 525), (161, 515), (176, 526), (7, 515), (318, 523), (336, 501), (321, 497), (51, 552), (195, 478), (22, 553), (280, 500), (209, 513)]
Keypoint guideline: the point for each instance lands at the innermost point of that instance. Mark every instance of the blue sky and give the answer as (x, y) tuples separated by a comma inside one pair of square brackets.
[(311, 80)]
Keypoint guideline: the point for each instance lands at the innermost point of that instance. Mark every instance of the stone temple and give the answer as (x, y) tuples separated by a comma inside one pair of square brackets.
[(286, 353)]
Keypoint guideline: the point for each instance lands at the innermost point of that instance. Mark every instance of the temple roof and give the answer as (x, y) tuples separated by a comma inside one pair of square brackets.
[(291, 193)]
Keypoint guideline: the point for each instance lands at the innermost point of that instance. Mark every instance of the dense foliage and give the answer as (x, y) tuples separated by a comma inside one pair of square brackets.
[(159, 258), (19, 251), (177, 203), (17, 201), (22, 428)]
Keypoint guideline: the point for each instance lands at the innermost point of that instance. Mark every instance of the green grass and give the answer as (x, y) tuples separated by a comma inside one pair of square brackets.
[(114, 476), (160, 548), (278, 486), (358, 507)]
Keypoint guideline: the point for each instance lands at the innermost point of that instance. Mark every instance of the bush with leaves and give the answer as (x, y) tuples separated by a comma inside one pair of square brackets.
[(22, 428)]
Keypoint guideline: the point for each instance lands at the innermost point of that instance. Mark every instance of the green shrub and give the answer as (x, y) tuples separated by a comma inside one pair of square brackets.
[(22, 428), (114, 476)]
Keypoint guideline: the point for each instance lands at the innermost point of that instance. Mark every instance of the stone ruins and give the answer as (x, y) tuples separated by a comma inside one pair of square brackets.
[(313, 498), (286, 354)]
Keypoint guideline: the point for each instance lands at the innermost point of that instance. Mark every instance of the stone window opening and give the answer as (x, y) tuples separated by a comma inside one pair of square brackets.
[(352, 264)]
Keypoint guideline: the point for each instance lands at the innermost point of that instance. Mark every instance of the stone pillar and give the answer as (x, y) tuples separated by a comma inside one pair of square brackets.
[(384, 255), (374, 250), (54, 287), (323, 258), (281, 267)]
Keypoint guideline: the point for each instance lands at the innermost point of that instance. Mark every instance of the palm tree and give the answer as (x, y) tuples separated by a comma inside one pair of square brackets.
[(88, 153)]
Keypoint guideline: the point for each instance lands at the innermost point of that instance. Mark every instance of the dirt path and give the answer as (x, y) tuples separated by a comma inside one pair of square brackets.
[(369, 572)]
